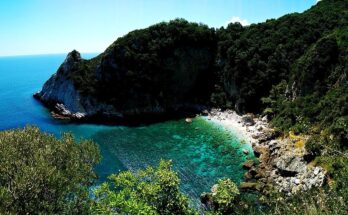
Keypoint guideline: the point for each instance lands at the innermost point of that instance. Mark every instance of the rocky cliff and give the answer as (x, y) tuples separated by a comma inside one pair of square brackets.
[(173, 67), (164, 70)]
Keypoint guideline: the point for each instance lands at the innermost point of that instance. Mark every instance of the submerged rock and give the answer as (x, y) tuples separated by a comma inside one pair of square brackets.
[(248, 164)]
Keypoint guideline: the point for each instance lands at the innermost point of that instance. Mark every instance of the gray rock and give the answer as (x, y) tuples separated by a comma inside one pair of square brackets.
[(259, 128), (297, 181), (265, 119), (248, 120), (290, 165), (316, 171)]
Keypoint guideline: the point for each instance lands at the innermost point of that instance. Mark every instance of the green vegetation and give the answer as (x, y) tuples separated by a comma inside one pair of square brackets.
[(149, 191), (165, 64), (181, 62), (252, 59), (41, 174), (225, 195), (293, 69)]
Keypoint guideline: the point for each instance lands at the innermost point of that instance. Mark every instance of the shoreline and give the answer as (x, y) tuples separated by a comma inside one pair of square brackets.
[(281, 159), (245, 127)]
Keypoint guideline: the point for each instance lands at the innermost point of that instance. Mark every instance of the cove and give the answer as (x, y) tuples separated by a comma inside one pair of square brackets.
[(202, 152)]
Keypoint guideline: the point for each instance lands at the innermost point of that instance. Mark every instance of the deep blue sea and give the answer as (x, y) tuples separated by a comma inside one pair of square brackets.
[(201, 152)]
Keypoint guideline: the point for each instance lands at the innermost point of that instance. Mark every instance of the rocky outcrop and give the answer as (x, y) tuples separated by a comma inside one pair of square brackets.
[(248, 120), (60, 94), (248, 164), (281, 160), (137, 77), (250, 186), (61, 90), (290, 165), (66, 101)]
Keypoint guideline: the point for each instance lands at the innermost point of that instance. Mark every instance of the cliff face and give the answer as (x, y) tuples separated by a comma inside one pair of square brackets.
[(137, 76), (59, 89)]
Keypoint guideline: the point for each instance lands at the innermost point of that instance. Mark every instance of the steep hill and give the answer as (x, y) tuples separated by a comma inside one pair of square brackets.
[(166, 68), (252, 59), (180, 66)]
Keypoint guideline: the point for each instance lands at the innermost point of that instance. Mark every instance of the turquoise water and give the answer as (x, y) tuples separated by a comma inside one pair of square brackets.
[(201, 151)]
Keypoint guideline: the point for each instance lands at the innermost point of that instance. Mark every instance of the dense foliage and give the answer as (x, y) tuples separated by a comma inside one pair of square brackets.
[(149, 191), (163, 65), (252, 59), (41, 174), (181, 62), (225, 194)]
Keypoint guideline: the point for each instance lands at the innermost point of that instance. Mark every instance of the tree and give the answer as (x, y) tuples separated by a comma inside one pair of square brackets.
[(149, 191), (41, 174), (225, 193)]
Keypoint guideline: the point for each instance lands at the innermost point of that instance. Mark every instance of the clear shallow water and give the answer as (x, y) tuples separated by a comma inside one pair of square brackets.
[(201, 152)]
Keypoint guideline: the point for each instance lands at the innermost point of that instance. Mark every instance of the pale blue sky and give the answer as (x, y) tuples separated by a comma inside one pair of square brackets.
[(59, 26)]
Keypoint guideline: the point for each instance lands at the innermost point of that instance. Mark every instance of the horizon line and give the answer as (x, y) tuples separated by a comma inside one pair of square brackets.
[(41, 54)]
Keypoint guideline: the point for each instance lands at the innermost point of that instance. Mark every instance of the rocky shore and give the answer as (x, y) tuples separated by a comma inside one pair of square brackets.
[(281, 163)]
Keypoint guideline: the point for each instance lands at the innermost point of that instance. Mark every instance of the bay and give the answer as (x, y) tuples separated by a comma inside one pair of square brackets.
[(201, 152)]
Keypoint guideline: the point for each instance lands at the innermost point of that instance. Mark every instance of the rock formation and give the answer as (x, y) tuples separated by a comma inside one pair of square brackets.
[(137, 76)]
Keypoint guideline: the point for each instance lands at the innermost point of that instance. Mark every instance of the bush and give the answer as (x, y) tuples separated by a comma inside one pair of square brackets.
[(225, 194), (41, 174), (149, 191)]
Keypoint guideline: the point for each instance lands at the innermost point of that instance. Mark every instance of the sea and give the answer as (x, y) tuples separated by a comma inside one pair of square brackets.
[(202, 152)]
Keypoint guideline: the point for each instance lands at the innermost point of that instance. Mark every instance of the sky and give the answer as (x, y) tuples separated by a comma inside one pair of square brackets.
[(58, 26)]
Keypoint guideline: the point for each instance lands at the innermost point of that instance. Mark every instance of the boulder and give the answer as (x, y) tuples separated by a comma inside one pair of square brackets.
[(297, 181), (259, 128), (248, 176), (248, 120), (260, 174), (253, 171), (251, 186), (266, 135), (316, 170), (259, 150), (188, 120), (248, 164), (290, 165), (264, 119)]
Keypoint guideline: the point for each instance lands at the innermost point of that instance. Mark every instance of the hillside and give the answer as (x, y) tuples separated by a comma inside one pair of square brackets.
[(179, 65), (293, 70), (254, 58), (166, 68)]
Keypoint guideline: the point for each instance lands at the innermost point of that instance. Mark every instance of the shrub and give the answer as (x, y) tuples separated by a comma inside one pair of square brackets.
[(149, 191), (224, 196), (41, 174)]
